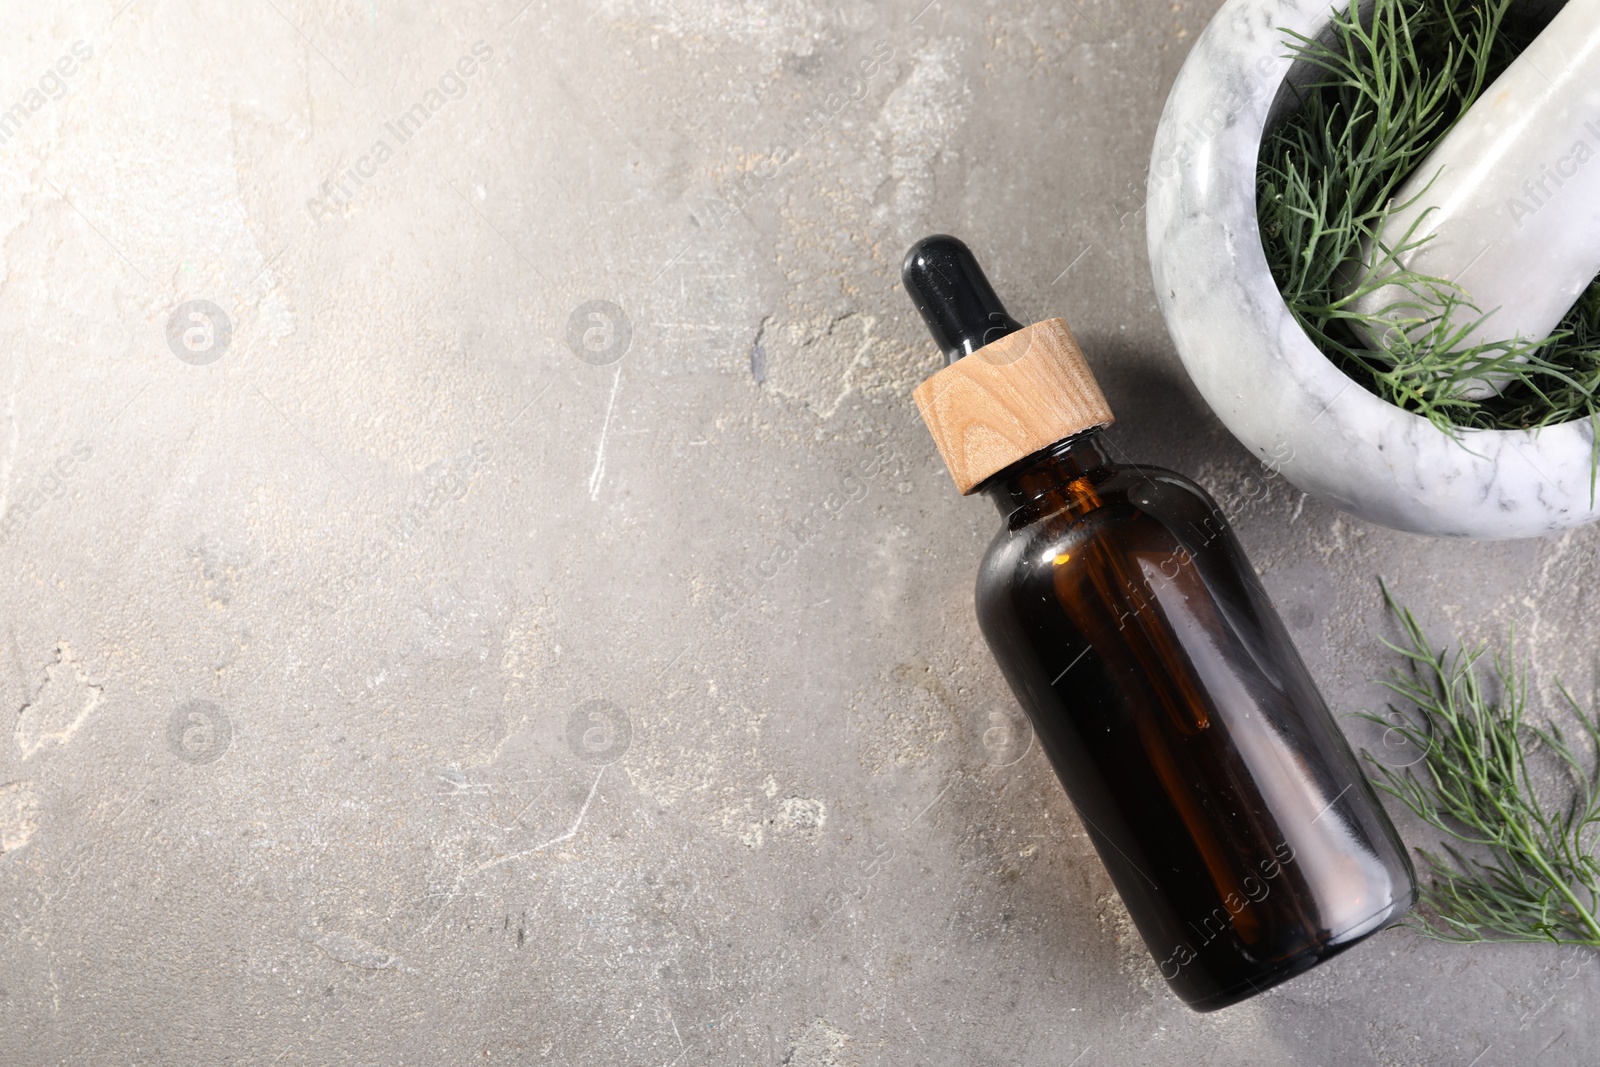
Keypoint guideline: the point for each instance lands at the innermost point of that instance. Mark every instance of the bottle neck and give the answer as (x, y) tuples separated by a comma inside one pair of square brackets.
[(1046, 471)]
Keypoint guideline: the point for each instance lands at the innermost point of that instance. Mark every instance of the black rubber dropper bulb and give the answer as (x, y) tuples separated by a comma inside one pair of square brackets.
[(956, 300)]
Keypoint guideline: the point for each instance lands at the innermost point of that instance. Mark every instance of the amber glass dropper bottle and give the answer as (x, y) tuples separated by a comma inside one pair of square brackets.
[(1228, 808)]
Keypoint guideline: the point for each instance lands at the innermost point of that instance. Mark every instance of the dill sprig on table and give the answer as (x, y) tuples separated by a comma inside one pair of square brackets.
[(1524, 869), (1382, 91)]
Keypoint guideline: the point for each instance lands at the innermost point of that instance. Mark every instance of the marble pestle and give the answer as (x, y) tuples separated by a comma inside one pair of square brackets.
[(1507, 205)]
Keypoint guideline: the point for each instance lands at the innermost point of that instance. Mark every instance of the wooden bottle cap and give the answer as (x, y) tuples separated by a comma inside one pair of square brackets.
[(1009, 399)]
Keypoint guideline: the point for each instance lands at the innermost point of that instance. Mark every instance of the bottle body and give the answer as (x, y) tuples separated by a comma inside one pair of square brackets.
[(1227, 806)]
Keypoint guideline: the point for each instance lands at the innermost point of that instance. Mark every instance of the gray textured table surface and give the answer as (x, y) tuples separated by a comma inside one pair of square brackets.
[(387, 684)]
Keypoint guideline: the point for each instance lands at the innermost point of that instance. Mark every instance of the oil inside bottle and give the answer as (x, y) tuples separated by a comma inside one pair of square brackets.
[(1229, 810)]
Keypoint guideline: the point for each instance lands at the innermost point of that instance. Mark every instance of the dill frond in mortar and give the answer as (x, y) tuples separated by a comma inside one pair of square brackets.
[(1383, 91), (1525, 869)]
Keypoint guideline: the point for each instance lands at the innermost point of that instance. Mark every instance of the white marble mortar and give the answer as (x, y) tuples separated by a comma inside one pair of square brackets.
[(1257, 369)]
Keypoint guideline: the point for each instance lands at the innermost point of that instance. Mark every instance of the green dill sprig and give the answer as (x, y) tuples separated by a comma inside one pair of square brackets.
[(1522, 868), (1383, 90)]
